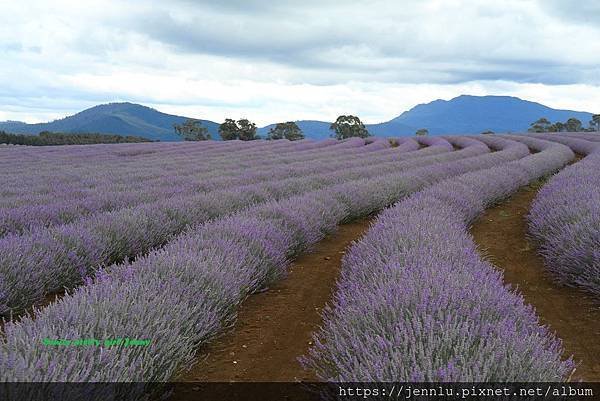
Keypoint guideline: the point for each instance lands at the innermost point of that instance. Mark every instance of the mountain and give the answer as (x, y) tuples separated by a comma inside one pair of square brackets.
[(462, 115), (113, 118), (391, 128), (475, 114)]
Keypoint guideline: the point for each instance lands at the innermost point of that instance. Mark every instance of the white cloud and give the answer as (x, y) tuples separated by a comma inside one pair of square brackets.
[(292, 59)]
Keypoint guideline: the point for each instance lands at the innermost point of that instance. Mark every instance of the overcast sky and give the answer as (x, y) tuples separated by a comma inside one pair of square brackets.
[(286, 60)]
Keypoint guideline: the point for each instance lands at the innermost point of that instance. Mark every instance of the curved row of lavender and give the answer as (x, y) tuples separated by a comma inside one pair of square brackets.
[(78, 159), (129, 154), (100, 173), (66, 209), (152, 161), (157, 160), (580, 135), (416, 302), (169, 185), (565, 219), (49, 260), (578, 145), (65, 202), (122, 168), (180, 297), (125, 165)]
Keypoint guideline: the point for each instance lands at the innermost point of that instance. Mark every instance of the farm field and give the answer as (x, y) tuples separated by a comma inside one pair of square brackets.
[(432, 259), (502, 235)]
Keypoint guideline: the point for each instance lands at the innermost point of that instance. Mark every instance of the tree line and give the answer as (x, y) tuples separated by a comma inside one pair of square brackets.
[(47, 138), (345, 126), (571, 125)]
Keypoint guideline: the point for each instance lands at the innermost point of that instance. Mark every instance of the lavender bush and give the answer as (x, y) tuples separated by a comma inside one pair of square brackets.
[(69, 179), (132, 184), (565, 219), (415, 302), (66, 202), (49, 260), (184, 294)]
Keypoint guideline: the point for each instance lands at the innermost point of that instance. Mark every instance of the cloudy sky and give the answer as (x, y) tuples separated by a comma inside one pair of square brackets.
[(287, 60)]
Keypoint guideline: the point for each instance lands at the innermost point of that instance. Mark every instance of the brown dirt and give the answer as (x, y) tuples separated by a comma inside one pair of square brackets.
[(275, 327), (30, 311), (501, 234)]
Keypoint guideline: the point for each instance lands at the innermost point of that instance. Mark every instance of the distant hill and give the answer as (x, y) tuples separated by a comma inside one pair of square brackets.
[(475, 114), (113, 118), (462, 115), (391, 128)]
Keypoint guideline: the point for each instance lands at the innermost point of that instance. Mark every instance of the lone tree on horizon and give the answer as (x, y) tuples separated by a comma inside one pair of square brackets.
[(422, 132), (241, 129), (288, 130), (192, 130), (348, 127)]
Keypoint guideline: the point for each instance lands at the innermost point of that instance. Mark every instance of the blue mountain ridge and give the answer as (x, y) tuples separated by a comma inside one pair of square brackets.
[(113, 118), (464, 114)]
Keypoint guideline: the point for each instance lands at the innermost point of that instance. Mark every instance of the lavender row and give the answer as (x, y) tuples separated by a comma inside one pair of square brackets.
[(49, 260), (92, 173), (67, 209), (14, 221), (121, 156), (405, 144), (578, 145), (25, 182), (180, 297), (565, 219), (415, 301), (100, 153), (183, 155), (17, 220), (580, 135), (36, 189)]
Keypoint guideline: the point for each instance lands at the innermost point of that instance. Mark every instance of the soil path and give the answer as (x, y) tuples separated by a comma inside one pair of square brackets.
[(275, 327), (501, 234)]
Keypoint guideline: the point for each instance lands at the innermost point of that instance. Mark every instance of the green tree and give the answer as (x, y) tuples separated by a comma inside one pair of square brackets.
[(573, 125), (488, 132), (541, 125), (557, 127), (422, 132), (192, 130), (247, 130), (347, 127), (229, 130), (242, 129), (288, 130)]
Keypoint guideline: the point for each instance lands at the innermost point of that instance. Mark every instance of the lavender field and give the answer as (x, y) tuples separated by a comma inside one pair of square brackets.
[(165, 241)]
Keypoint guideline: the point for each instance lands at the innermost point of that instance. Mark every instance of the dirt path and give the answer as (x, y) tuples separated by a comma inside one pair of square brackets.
[(275, 327), (501, 234)]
